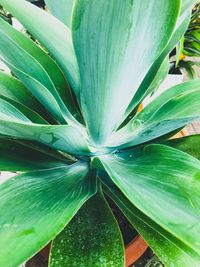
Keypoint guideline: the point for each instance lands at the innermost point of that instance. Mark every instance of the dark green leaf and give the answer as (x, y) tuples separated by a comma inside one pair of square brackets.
[(20, 157), (92, 238), (188, 144)]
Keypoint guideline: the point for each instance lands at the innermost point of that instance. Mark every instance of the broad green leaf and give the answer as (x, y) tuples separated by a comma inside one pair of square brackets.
[(163, 183), (42, 203), (179, 31), (116, 42), (188, 144), (65, 138), (36, 64), (62, 9), (30, 114), (16, 156), (92, 238), (13, 89), (170, 111), (168, 248), (50, 32)]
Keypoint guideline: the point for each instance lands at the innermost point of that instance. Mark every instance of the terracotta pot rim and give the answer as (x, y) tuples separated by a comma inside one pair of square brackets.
[(134, 250)]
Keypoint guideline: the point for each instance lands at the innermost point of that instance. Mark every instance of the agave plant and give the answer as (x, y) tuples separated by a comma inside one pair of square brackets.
[(65, 126)]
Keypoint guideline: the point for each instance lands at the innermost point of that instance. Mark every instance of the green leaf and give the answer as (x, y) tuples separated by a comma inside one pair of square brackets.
[(39, 66), (9, 112), (163, 183), (65, 138), (50, 32), (62, 9), (92, 238), (188, 144), (168, 248), (179, 31), (111, 61), (16, 156), (30, 114), (13, 89), (42, 203), (170, 111)]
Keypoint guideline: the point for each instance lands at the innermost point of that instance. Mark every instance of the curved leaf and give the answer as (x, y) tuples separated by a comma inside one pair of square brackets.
[(169, 249), (30, 114), (37, 64), (170, 111), (181, 27), (163, 183), (108, 36), (92, 238), (37, 200), (20, 157), (65, 138), (57, 40), (62, 9), (188, 144), (158, 79), (8, 111), (13, 89)]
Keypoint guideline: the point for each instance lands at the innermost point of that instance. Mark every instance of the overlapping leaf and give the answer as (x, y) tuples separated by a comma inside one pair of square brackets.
[(29, 113), (13, 89), (168, 248), (188, 144), (65, 138), (19, 156), (181, 27), (163, 183), (170, 111), (42, 203), (38, 66), (111, 61), (58, 42)]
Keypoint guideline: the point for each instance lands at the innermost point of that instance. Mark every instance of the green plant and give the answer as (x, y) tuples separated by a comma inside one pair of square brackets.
[(61, 128), (190, 44)]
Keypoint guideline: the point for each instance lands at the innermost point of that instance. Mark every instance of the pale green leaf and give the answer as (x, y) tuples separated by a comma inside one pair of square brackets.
[(116, 42), (65, 138), (62, 9)]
